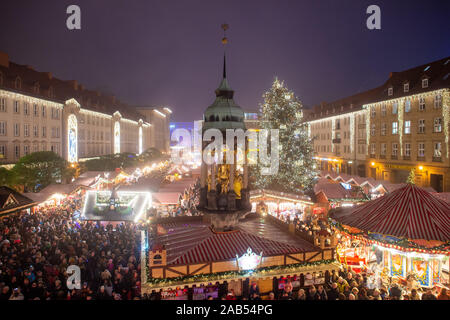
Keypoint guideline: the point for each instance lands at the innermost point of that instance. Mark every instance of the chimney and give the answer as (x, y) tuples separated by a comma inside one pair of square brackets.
[(82, 87), (4, 59)]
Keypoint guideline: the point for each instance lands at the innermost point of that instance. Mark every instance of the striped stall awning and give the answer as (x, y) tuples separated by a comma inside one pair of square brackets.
[(409, 212), (225, 246)]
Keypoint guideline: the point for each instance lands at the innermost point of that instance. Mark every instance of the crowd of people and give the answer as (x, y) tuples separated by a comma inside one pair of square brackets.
[(37, 248)]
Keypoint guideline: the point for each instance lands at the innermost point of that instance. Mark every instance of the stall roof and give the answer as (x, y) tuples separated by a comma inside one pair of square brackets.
[(11, 201), (196, 243), (409, 212), (166, 198)]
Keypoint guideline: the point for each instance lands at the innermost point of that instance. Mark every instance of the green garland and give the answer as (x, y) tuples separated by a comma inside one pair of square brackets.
[(229, 274), (404, 243)]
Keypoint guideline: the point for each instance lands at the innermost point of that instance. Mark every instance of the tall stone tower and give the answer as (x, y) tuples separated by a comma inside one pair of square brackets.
[(224, 192)]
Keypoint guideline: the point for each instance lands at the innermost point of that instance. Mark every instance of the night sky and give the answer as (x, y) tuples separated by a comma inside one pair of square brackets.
[(169, 52)]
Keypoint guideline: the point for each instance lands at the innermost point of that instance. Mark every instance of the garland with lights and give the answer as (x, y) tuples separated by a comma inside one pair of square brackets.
[(398, 243), (446, 115), (230, 274)]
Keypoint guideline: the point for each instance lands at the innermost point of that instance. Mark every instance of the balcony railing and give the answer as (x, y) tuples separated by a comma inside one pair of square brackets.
[(336, 140), (382, 156), (406, 158), (437, 159), (394, 157)]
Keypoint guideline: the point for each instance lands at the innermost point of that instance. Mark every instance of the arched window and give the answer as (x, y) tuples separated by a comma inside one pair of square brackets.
[(36, 87), (18, 83)]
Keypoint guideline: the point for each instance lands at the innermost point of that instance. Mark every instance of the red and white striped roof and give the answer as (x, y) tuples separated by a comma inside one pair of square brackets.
[(409, 212), (188, 244)]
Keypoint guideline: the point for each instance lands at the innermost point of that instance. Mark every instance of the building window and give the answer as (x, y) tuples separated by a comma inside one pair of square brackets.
[(390, 91), (372, 111), (35, 131), (26, 130), (408, 105), (383, 149), (437, 150), (18, 83), (383, 110), (406, 87), (17, 151), (16, 130), (394, 127), (2, 152), (437, 124), (44, 132), (26, 149), (407, 149), (43, 111), (438, 101), (26, 110), (35, 110), (407, 127), (421, 104), (372, 149), (383, 129), (394, 149), (394, 108), (421, 149), (2, 105), (422, 126), (372, 129), (425, 83), (16, 107), (2, 128)]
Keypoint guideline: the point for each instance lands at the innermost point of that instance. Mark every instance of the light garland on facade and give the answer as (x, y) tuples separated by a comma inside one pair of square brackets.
[(29, 99), (367, 113), (352, 132), (333, 132), (400, 109), (446, 115), (94, 113)]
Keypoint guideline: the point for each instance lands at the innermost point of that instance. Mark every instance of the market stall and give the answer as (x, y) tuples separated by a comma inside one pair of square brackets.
[(402, 236)]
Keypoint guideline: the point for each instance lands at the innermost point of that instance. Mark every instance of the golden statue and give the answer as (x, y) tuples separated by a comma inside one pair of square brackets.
[(237, 185), (208, 182)]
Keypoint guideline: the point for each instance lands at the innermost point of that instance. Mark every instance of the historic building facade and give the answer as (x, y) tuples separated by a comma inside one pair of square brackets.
[(41, 113), (387, 131)]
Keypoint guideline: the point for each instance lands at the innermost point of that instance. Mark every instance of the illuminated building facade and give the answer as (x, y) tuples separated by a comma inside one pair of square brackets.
[(386, 132), (39, 112)]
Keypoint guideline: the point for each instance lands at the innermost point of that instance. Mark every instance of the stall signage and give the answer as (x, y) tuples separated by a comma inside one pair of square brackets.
[(249, 260)]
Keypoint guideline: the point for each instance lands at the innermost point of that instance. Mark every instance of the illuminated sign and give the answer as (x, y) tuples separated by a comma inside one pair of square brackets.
[(249, 260), (72, 129)]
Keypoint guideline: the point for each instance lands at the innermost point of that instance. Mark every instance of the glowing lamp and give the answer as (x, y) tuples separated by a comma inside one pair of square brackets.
[(420, 168)]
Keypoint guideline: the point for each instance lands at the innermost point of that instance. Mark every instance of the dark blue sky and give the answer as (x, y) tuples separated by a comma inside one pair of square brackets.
[(168, 52)]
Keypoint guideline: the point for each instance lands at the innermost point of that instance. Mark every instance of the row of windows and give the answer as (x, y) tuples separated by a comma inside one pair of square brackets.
[(27, 150), (437, 151), (437, 127), (26, 130), (406, 86), (394, 109), (28, 109)]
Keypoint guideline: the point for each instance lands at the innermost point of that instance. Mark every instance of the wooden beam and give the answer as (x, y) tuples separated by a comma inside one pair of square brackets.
[(198, 269)]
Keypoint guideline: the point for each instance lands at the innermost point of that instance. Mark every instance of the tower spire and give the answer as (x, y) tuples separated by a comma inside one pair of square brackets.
[(224, 42)]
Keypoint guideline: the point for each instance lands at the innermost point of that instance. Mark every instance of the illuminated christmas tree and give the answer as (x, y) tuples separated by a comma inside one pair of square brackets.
[(297, 170)]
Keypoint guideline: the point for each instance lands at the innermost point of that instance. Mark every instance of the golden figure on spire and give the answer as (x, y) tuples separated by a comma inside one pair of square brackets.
[(224, 39)]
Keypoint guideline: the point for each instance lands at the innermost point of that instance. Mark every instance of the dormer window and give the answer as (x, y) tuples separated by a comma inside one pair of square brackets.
[(425, 83), (18, 83), (342, 108), (36, 88), (406, 87), (50, 92), (1, 79), (390, 91)]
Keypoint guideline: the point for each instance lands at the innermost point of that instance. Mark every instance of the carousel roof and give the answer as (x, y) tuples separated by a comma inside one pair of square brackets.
[(409, 212)]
